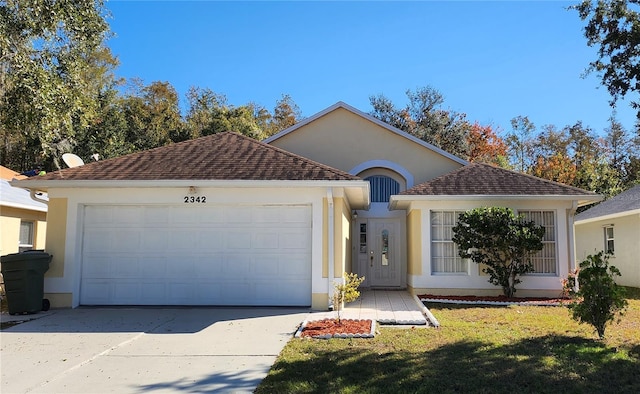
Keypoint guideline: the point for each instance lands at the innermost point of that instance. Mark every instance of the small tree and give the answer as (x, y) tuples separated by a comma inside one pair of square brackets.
[(500, 240), (346, 292), (596, 298)]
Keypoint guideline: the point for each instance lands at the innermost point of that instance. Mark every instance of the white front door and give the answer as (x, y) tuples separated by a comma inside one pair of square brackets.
[(384, 253)]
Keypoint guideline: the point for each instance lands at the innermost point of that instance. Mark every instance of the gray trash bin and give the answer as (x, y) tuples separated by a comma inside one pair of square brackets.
[(24, 281)]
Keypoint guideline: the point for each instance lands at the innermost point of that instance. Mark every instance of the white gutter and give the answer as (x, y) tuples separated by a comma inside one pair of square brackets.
[(331, 247), (571, 213), (406, 198), (32, 193), (61, 183)]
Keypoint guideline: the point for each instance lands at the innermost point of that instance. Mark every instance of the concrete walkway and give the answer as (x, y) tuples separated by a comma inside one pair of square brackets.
[(395, 307)]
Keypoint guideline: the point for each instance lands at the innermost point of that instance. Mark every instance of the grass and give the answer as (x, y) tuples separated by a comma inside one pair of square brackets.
[(476, 350)]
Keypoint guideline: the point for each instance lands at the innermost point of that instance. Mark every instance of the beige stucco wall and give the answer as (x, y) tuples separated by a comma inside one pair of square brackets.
[(345, 140), (626, 230), (342, 237), (56, 236), (10, 219), (414, 243)]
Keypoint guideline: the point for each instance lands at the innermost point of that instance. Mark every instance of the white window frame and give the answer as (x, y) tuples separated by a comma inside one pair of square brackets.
[(608, 239), (28, 245), (460, 266), (548, 244)]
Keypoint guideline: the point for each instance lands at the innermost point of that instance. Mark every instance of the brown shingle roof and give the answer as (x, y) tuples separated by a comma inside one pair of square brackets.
[(224, 156), (483, 179)]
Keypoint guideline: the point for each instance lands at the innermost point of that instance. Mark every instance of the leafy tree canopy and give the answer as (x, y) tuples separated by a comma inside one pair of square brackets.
[(424, 118), (613, 26), (52, 62)]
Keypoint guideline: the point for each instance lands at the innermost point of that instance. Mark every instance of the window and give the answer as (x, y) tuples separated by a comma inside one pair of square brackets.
[(444, 252), (26, 236), (363, 238), (609, 246), (382, 187), (544, 262)]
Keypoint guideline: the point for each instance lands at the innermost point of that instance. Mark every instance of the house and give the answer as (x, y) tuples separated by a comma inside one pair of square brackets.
[(613, 225), (227, 220), (22, 219)]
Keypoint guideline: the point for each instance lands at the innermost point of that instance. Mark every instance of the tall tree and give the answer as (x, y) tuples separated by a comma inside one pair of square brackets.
[(613, 26), (519, 141), (47, 51), (485, 146), (551, 157), (152, 114), (285, 114), (202, 104), (424, 118), (593, 171)]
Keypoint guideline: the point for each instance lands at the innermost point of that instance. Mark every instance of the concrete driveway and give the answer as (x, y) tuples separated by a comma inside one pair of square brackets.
[(98, 350)]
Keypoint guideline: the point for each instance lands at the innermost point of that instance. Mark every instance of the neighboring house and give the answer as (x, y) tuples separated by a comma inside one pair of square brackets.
[(227, 220), (22, 220), (613, 225)]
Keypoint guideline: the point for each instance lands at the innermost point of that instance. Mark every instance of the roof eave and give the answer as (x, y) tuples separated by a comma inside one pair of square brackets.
[(23, 206), (356, 189), (608, 217), (402, 201), (99, 183)]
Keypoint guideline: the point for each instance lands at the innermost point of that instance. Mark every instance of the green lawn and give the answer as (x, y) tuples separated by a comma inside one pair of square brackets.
[(511, 349)]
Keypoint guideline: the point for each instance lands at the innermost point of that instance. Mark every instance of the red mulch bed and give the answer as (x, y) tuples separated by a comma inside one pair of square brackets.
[(322, 328), (501, 298)]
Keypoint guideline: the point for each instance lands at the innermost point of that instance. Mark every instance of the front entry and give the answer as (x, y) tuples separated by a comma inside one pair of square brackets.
[(384, 264)]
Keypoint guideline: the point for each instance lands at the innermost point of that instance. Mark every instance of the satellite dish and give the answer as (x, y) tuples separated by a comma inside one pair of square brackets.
[(72, 160)]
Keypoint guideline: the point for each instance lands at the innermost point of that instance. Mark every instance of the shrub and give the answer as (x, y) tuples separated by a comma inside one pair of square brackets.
[(504, 242), (346, 292), (596, 298)]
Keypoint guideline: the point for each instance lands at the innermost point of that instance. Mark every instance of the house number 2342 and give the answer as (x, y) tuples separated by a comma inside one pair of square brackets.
[(195, 199)]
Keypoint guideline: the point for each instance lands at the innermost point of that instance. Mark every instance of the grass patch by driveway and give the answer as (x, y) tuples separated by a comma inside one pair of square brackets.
[(477, 349)]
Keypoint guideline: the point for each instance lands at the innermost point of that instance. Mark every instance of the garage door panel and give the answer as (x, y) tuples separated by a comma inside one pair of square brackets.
[(126, 292), (97, 241), (209, 240), (124, 267), (153, 266), (125, 241), (124, 216), (214, 255), (214, 215), (153, 293), (296, 215), (156, 240), (294, 240), (238, 216), (95, 291), (156, 215)]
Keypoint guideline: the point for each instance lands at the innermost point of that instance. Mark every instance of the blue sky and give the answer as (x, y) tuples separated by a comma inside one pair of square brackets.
[(491, 60)]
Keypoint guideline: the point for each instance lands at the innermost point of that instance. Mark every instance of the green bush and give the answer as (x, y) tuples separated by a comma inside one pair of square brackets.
[(502, 241), (596, 298)]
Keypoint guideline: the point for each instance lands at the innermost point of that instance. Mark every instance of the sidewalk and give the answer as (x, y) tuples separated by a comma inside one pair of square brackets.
[(387, 307)]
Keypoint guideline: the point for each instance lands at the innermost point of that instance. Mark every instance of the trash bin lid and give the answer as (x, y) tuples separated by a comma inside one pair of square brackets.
[(26, 255)]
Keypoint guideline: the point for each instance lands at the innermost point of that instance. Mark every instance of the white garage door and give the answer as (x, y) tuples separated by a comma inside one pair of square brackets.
[(196, 255)]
